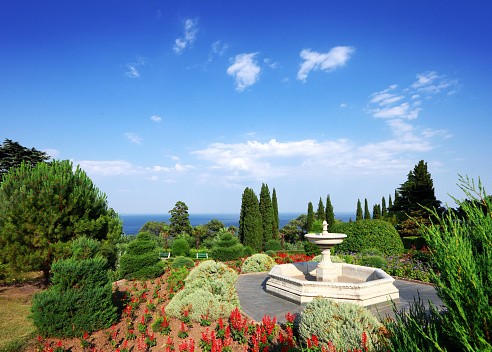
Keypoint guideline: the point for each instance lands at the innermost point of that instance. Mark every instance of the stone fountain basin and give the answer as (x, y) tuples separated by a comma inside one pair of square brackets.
[(361, 285), (328, 239)]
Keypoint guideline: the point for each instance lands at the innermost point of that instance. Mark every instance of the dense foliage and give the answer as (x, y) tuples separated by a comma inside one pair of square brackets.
[(257, 263), (364, 234), (44, 207), (12, 155), (227, 248), (141, 259), (180, 219), (250, 231), (267, 214)]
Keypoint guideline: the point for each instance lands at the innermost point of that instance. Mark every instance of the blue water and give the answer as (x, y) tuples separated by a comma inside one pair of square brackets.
[(132, 222)]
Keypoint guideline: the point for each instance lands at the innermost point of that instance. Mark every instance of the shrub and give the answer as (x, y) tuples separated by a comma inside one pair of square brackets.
[(212, 270), (374, 261), (346, 322), (227, 248), (371, 251), (311, 249), (180, 247), (271, 253), (141, 260), (78, 301), (182, 262), (273, 245), (417, 241), (364, 234), (334, 259), (257, 263), (248, 251)]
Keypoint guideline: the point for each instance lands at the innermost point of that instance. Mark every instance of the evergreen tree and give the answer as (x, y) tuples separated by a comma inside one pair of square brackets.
[(367, 213), (12, 154), (250, 226), (43, 208), (384, 211), (276, 224), (358, 214), (267, 216), (320, 212), (310, 218), (330, 215), (180, 219), (376, 211), (390, 203), (416, 192)]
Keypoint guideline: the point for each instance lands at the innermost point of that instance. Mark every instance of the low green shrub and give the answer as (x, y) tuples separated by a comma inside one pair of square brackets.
[(212, 270), (194, 251), (180, 247), (248, 251), (417, 241), (141, 260), (271, 253), (225, 254), (371, 251), (340, 323), (374, 261), (364, 234), (311, 249), (273, 245), (334, 259), (182, 262), (257, 263)]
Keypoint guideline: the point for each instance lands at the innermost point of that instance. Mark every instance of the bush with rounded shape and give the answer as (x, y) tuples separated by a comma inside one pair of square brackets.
[(341, 323), (248, 251), (374, 261), (225, 254), (137, 262), (273, 245), (180, 247), (371, 251), (257, 263), (212, 270), (311, 249), (270, 253), (363, 234), (182, 262)]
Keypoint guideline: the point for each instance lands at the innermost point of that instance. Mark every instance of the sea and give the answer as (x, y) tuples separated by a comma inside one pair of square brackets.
[(134, 222)]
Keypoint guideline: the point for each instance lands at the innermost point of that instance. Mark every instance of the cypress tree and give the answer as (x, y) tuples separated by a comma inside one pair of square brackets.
[(310, 218), (390, 203), (384, 211), (330, 215), (320, 212), (276, 224), (376, 211), (250, 226), (367, 214), (266, 210), (358, 214)]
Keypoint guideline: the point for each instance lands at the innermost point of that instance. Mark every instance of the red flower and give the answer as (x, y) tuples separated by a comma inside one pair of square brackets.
[(85, 336), (58, 344)]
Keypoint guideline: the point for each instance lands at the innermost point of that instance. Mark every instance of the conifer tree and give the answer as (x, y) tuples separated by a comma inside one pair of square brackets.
[(358, 214), (276, 224), (250, 231), (267, 216), (384, 211), (376, 211), (320, 212), (367, 213), (330, 215), (310, 218), (390, 203), (180, 220)]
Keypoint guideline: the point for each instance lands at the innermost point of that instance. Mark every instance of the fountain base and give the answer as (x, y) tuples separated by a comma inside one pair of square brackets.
[(361, 285)]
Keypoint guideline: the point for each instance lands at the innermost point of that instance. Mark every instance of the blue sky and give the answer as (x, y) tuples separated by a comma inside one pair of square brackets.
[(166, 101)]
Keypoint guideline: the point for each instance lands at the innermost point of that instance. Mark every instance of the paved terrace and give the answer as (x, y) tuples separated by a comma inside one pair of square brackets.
[(257, 303)]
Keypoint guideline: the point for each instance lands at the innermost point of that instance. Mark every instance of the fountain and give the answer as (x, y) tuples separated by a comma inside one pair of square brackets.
[(302, 282)]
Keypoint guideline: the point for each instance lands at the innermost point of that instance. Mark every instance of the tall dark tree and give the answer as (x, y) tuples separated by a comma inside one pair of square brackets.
[(390, 203), (329, 214), (267, 216), (310, 218), (12, 154), (367, 213), (276, 224), (416, 192), (155, 227), (358, 214), (384, 210), (180, 219), (43, 208), (250, 230), (376, 211), (320, 212)]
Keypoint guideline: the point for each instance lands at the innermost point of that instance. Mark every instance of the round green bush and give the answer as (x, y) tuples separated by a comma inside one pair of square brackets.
[(225, 254), (374, 261), (311, 249), (180, 247), (182, 262), (364, 234), (248, 251), (371, 251), (257, 263), (273, 245), (212, 270), (141, 260), (340, 323), (271, 253)]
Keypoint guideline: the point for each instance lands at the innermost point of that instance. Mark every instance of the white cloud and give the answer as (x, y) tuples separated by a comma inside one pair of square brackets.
[(343, 105), (107, 168), (219, 48), (156, 118), (270, 64), (189, 36), (133, 72), (133, 137), (245, 70), (52, 153), (335, 58)]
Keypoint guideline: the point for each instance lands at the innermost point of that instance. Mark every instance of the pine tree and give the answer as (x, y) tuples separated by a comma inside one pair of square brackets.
[(384, 211), (267, 217), (358, 214), (330, 215), (276, 224), (310, 218), (320, 212), (367, 213), (250, 231), (180, 220), (376, 211)]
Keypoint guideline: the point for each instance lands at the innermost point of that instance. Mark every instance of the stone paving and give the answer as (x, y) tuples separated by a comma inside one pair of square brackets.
[(257, 303)]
